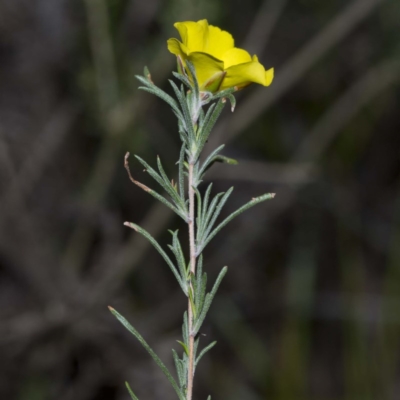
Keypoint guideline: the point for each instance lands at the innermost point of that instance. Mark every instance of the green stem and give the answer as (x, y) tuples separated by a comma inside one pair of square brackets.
[(193, 271)]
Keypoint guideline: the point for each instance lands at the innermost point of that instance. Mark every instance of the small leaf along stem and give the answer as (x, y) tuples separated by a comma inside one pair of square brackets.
[(192, 245)]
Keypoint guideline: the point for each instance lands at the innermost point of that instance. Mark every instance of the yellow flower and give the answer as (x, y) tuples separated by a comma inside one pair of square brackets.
[(218, 63)]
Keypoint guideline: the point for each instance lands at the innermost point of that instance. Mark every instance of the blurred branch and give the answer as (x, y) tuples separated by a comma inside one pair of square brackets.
[(263, 172), (33, 264), (230, 321), (263, 25), (103, 55), (34, 166), (6, 161), (365, 309), (370, 85), (88, 382), (389, 337), (376, 80), (108, 92)]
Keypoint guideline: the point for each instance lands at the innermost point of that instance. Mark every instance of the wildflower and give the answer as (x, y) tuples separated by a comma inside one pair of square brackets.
[(218, 63)]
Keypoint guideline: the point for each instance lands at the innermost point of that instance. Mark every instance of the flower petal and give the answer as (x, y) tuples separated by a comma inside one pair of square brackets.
[(235, 56), (218, 42), (206, 66), (194, 34), (242, 75), (269, 76), (176, 47)]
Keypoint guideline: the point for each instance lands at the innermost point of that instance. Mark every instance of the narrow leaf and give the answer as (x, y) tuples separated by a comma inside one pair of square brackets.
[(153, 193), (201, 117), (216, 213), (130, 391), (208, 115), (194, 77), (202, 291), (185, 328), (199, 267), (183, 79), (204, 351), (164, 182), (171, 190), (206, 220), (154, 242), (199, 219), (152, 89), (201, 284), (185, 348), (194, 310), (205, 205), (177, 250), (185, 111), (226, 160), (224, 93), (248, 205), (232, 100), (208, 161), (135, 333), (208, 300), (179, 366), (207, 127), (181, 174)]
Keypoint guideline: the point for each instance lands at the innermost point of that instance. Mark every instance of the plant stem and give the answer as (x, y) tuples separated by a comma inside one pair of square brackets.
[(193, 271)]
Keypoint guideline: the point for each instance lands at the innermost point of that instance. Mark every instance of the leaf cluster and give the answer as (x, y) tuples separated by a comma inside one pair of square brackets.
[(194, 126)]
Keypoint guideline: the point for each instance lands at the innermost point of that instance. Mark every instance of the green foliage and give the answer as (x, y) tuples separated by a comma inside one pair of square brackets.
[(204, 351), (161, 178), (206, 303), (195, 125), (131, 392), (157, 246), (163, 368), (251, 203)]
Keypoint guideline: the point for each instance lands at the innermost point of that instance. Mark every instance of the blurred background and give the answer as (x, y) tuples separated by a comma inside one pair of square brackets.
[(310, 308)]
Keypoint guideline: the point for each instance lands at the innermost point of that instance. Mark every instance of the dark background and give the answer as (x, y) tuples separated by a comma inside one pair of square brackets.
[(310, 307)]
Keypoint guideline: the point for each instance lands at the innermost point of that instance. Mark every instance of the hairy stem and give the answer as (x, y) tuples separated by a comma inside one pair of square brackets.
[(193, 271)]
